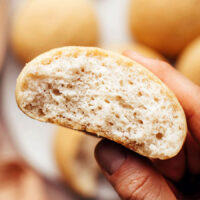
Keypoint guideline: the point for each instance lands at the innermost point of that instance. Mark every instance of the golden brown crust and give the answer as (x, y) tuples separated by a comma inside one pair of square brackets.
[(189, 61), (32, 33), (70, 157), (139, 48)]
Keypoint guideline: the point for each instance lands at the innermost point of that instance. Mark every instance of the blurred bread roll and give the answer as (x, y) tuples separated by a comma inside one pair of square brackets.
[(167, 26), (19, 181), (189, 62), (139, 48), (75, 158), (42, 25)]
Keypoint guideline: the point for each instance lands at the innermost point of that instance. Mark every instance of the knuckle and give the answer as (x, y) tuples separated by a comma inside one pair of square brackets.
[(139, 188), (136, 188)]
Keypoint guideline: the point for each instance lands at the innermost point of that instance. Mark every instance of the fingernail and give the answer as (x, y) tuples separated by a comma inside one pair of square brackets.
[(110, 156)]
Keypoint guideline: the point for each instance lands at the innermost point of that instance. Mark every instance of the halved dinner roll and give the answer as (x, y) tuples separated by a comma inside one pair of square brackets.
[(105, 94)]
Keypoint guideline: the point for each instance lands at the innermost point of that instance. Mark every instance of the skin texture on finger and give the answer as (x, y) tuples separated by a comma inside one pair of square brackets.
[(187, 92), (193, 155), (132, 176), (174, 189), (173, 168)]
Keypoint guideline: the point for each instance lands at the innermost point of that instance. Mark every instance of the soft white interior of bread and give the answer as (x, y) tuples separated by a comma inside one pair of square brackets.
[(106, 96)]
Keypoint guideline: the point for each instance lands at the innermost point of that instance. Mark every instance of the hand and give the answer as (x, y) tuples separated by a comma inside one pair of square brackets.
[(135, 177)]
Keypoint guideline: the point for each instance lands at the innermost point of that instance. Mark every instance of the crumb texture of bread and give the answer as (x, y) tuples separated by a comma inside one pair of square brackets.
[(103, 93)]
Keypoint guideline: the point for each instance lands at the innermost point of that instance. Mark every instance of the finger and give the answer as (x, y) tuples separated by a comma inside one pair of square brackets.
[(173, 168), (193, 155), (187, 92), (132, 176)]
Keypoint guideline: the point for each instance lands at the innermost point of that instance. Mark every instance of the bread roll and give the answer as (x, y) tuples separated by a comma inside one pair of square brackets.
[(75, 158), (105, 94), (40, 25), (189, 62), (167, 26)]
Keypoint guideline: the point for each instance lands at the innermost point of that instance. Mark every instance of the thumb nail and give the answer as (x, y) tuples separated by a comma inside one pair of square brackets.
[(110, 156)]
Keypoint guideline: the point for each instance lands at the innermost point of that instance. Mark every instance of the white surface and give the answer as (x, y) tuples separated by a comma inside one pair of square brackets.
[(33, 139)]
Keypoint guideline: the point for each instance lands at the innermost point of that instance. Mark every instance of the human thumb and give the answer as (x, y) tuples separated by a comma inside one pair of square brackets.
[(132, 176)]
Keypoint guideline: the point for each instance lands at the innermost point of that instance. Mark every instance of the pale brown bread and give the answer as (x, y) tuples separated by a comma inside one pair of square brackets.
[(166, 26), (189, 61), (39, 26), (74, 152), (105, 94)]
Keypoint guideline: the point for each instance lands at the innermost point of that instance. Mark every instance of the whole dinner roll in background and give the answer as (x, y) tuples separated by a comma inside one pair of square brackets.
[(139, 48), (167, 26), (74, 153), (189, 62), (75, 158), (42, 25)]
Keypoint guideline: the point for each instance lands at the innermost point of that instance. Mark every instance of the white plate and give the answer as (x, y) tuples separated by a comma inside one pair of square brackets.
[(33, 139)]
